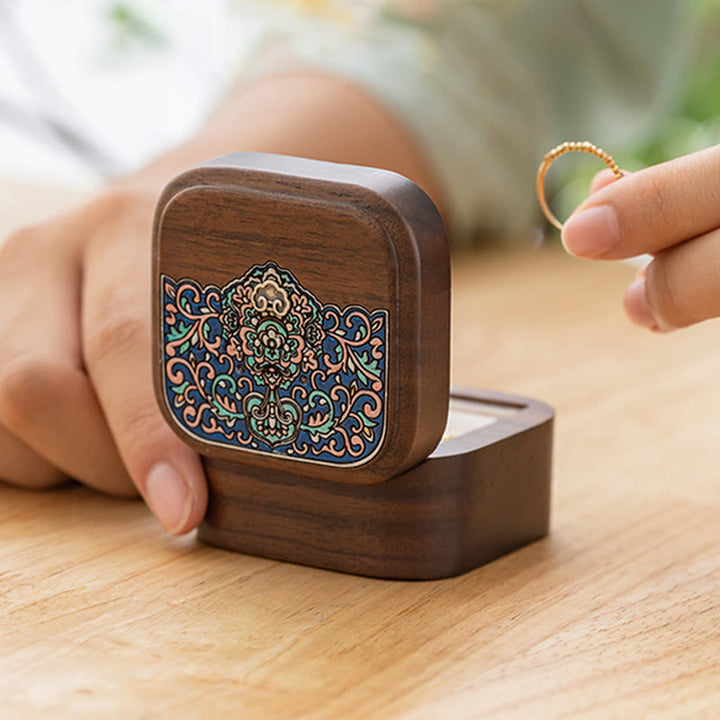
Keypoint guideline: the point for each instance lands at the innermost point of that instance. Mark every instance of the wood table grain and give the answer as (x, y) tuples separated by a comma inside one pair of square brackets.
[(615, 615)]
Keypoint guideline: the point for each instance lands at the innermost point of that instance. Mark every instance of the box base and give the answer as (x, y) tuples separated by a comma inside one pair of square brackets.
[(480, 495)]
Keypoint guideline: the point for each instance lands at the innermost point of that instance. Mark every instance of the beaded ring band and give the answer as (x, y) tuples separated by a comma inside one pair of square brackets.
[(553, 155)]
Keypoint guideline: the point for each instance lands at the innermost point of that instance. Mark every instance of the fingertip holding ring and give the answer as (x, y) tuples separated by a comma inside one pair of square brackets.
[(553, 155)]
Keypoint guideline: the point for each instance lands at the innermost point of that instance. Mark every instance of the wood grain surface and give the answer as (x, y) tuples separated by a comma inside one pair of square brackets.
[(479, 496), (353, 237), (615, 615)]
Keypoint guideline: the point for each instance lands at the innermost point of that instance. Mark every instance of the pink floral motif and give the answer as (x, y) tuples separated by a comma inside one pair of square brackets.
[(260, 364)]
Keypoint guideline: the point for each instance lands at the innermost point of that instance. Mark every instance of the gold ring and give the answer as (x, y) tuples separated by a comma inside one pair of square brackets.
[(554, 154)]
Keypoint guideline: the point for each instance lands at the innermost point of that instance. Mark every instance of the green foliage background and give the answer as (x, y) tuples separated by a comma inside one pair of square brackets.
[(693, 123)]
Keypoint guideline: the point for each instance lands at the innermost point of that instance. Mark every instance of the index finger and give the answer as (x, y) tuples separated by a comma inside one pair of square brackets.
[(649, 210)]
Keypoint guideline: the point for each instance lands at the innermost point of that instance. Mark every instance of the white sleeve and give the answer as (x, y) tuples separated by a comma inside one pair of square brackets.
[(487, 86)]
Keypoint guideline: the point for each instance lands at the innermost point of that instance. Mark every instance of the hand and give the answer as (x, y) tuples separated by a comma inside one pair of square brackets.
[(671, 211), (76, 396)]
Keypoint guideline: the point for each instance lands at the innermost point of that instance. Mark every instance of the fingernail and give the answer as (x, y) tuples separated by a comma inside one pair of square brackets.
[(592, 232), (636, 304), (169, 497)]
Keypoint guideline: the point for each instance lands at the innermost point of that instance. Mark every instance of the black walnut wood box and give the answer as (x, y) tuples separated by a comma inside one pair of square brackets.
[(301, 346)]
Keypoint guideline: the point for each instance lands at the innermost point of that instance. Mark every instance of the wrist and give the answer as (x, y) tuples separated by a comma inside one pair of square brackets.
[(307, 114)]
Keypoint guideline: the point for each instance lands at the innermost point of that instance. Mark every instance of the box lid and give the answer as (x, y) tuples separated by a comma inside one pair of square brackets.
[(301, 316)]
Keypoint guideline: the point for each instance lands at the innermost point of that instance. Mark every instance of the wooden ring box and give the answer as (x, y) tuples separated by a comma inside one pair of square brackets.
[(301, 346)]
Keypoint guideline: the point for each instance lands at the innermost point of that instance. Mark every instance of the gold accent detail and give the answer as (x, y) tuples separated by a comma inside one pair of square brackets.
[(554, 154)]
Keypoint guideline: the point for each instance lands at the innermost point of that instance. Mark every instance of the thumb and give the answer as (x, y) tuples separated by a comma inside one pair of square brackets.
[(117, 348)]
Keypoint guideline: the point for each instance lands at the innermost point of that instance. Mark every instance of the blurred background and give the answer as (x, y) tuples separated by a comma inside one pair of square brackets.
[(693, 122), (176, 59)]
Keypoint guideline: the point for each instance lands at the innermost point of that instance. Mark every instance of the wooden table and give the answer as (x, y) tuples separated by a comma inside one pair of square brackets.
[(615, 615)]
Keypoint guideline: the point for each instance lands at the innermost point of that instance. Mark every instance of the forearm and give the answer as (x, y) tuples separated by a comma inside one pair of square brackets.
[(304, 114)]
